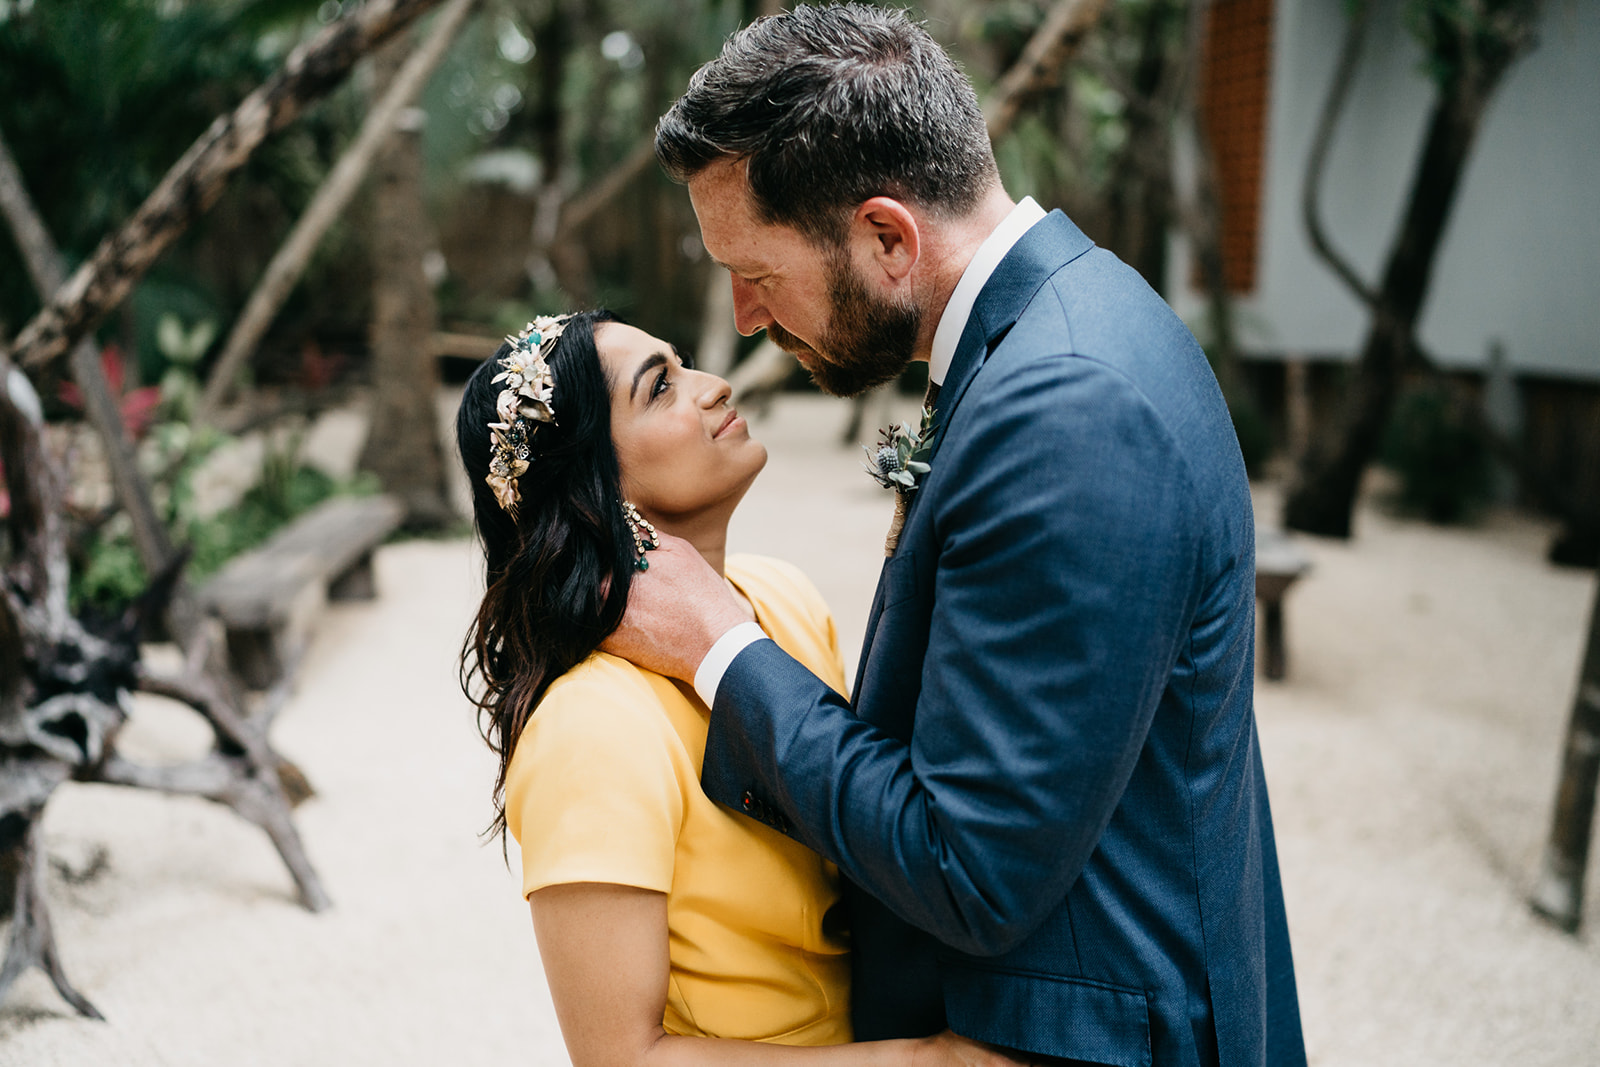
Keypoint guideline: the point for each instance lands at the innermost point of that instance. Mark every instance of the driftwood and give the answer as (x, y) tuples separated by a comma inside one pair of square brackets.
[(46, 733), (62, 707), (331, 198), (63, 683), (195, 181)]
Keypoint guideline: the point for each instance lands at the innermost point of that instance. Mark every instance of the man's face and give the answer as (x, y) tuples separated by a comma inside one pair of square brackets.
[(812, 301)]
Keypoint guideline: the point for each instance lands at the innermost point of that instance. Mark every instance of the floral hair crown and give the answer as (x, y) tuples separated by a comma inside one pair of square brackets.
[(525, 401)]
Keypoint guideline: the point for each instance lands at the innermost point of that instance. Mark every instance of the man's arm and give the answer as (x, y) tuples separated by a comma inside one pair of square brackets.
[(1063, 589)]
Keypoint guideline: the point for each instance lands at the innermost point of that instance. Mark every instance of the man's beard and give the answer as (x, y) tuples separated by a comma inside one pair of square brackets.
[(869, 341)]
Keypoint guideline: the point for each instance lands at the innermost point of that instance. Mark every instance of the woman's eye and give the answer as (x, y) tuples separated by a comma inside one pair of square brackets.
[(660, 385), (686, 360)]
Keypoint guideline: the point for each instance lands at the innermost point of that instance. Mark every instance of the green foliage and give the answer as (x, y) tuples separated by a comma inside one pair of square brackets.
[(113, 575), (98, 99), (1466, 38), (1444, 467)]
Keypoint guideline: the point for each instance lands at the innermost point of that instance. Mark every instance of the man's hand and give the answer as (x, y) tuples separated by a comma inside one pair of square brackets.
[(676, 611)]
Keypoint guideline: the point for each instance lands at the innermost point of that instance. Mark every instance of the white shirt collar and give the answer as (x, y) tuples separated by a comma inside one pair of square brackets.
[(994, 248)]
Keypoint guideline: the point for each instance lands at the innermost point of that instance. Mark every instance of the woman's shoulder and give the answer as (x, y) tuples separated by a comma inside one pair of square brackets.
[(603, 709), (601, 687)]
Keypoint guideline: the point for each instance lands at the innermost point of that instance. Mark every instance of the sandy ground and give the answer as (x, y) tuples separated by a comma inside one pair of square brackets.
[(1411, 755)]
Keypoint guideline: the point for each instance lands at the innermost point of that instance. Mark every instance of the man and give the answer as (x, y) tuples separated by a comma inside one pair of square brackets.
[(1047, 793)]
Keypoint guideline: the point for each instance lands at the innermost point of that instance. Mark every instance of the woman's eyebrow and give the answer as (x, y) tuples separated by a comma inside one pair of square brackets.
[(659, 359)]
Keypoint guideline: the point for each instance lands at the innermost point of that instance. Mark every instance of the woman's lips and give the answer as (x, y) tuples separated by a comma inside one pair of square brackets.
[(727, 423)]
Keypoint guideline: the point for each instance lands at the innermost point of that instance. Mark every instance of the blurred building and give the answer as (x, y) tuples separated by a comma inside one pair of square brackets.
[(1519, 269)]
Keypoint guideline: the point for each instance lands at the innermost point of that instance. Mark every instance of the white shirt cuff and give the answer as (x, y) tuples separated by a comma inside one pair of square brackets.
[(715, 665)]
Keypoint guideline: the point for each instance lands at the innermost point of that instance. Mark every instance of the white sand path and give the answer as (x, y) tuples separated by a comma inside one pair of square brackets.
[(1411, 755)]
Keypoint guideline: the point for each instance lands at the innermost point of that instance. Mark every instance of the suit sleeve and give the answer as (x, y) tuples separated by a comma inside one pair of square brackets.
[(1064, 583)]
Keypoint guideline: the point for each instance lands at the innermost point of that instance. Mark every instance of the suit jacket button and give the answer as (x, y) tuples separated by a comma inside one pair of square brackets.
[(748, 802)]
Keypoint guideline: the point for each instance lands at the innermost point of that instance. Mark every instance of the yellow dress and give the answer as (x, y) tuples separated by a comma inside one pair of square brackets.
[(604, 786)]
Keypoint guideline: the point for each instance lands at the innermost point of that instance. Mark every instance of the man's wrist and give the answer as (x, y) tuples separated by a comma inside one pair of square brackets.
[(708, 676)]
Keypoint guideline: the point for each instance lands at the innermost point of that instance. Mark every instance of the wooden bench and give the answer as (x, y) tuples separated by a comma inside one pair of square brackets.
[(267, 597), (1279, 564)]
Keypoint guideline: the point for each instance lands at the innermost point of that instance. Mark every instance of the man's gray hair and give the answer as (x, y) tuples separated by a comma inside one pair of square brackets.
[(831, 106)]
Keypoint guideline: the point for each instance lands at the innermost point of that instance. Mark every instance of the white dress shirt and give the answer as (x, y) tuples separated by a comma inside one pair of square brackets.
[(952, 321)]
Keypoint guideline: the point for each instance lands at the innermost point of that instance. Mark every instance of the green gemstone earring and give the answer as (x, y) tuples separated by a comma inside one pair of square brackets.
[(644, 535)]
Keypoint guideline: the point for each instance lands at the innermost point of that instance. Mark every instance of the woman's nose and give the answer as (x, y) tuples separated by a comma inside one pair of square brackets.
[(714, 391)]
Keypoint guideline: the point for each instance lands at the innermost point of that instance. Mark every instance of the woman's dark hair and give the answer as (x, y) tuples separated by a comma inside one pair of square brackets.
[(831, 106), (557, 574)]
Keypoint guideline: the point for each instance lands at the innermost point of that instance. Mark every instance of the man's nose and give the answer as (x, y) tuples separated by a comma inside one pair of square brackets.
[(749, 313)]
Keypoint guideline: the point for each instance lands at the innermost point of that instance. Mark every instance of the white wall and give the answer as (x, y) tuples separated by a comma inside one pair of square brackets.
[(1521, 258)]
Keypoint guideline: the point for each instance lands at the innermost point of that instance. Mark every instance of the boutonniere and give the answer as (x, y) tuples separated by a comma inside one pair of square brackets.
[(899, 463)]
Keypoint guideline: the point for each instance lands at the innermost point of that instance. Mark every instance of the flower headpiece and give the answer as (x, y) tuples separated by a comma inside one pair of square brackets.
[(526, 399)]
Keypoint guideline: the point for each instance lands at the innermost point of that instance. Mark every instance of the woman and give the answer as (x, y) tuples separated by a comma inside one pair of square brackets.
[(671, 930)]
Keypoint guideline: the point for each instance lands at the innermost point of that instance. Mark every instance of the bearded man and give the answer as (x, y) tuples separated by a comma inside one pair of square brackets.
[(1046, 792)]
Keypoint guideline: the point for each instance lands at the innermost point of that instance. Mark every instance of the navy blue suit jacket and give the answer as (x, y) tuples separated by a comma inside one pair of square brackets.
[(1047, 794)]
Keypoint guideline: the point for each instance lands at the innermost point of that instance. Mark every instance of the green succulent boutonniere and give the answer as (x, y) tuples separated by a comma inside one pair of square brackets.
[(899, 462), (901, 458)]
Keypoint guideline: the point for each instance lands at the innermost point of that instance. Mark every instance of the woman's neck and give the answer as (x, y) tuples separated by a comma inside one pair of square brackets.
[(707, 533)]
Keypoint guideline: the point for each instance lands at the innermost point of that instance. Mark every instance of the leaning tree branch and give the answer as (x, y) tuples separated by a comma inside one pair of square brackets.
[(1322, 142), (45, 267), (195, 181), (38, 249), (580, 209), (1051, 45), (289, 262)]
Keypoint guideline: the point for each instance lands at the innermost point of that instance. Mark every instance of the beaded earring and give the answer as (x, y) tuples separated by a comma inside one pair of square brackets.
[(644, 535)]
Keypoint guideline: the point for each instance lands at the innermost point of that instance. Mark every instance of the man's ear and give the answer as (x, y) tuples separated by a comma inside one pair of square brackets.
[(889, 230)]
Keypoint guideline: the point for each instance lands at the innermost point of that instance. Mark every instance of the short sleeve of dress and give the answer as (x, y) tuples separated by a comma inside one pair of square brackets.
[(593, 793)]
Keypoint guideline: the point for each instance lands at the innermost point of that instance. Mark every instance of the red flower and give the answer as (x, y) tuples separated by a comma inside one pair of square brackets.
[(138, 406)]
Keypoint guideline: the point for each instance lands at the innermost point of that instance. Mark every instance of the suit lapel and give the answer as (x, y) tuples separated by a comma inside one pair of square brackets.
[(1050, 245)]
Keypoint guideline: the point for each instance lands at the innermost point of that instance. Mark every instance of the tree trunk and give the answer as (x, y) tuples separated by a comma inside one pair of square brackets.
[(1323, 498), (1472, 53), (550, 265), (403, 447), (1559, 894)]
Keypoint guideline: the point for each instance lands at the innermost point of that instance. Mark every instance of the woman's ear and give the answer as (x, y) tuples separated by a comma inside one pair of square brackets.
[(888, 230)]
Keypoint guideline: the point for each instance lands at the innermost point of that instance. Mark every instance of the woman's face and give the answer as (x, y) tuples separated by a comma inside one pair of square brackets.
[(684, 452)]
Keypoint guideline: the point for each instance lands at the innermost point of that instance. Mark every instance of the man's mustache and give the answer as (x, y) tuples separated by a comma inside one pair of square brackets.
[(788, 341)]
